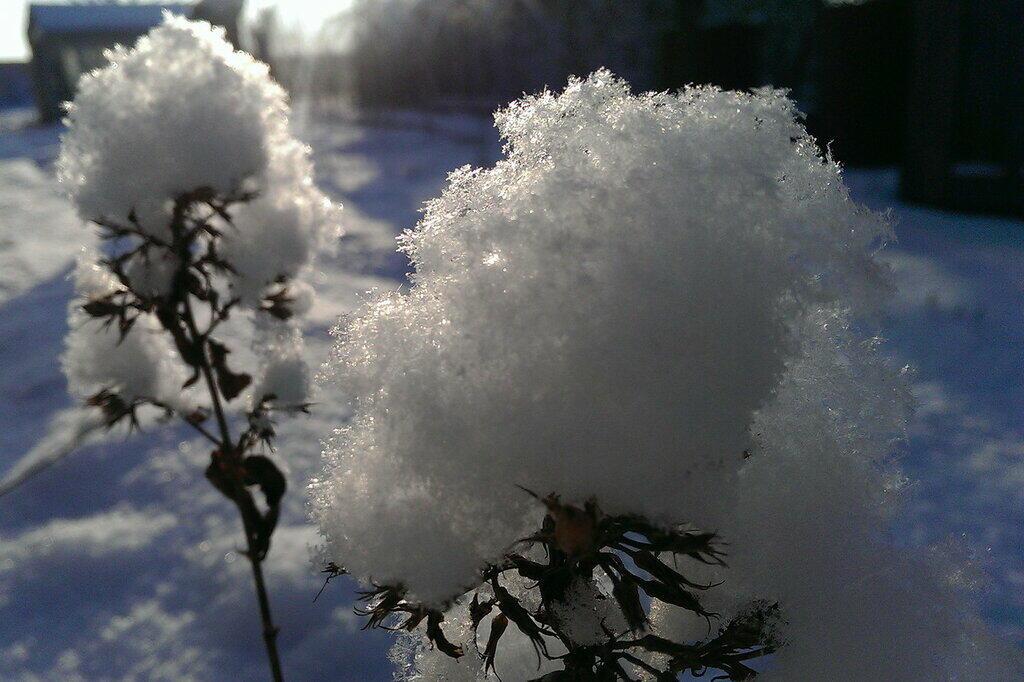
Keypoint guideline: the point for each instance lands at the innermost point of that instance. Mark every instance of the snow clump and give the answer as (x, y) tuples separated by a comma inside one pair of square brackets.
[(658, 302), (599, 315), (183, 111)]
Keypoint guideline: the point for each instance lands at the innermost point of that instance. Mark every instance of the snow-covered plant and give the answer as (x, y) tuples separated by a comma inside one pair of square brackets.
[(179, 152), (635, 349)]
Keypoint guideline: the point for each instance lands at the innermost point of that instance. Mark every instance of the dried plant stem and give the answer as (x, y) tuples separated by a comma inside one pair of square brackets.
[(233, 469), (269, 629), (241, 498)]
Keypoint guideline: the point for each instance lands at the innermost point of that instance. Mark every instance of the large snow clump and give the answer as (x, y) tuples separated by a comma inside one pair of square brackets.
[(600, 314), (657, 301)]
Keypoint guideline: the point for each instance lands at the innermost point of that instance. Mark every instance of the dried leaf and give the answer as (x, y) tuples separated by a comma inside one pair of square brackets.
[(278, 304), (231, 384), (102, 307), (261, 471), (437, 636), (498, 626), (478, 610), (627, 594)]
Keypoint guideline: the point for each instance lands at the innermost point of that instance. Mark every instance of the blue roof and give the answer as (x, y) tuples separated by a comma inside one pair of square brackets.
[(81, 18)]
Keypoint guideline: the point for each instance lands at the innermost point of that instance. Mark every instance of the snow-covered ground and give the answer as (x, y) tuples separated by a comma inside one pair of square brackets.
[(958, 321), (121, 561)]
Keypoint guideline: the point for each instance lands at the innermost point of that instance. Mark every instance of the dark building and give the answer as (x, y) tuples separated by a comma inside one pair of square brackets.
[(965, 119), (15, 85), (69, 40), (935, 87), (845, 64)]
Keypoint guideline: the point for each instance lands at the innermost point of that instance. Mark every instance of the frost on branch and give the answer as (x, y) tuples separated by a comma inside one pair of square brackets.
[(137, 364), (657, 305)]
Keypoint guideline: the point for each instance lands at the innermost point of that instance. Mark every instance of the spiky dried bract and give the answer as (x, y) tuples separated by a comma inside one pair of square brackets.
[(576, 591)]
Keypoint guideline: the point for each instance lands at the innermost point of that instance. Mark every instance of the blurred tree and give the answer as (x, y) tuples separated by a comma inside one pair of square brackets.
[(224, 13)]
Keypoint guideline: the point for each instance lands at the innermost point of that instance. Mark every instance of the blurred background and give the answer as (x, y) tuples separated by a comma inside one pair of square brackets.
[(120, 561), (933, 87)]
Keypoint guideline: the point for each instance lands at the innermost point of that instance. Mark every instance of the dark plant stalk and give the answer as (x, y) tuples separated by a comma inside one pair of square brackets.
[(227, 459), (234, 469), (240, 497)]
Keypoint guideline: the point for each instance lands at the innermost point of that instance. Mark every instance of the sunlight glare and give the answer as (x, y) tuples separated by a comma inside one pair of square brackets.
[(305, 15)]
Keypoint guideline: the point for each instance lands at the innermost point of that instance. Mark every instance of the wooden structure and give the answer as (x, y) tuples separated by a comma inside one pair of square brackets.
[(69, 40)]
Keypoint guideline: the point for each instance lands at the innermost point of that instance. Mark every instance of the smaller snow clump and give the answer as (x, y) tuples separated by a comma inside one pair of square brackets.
[(182, 112)]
